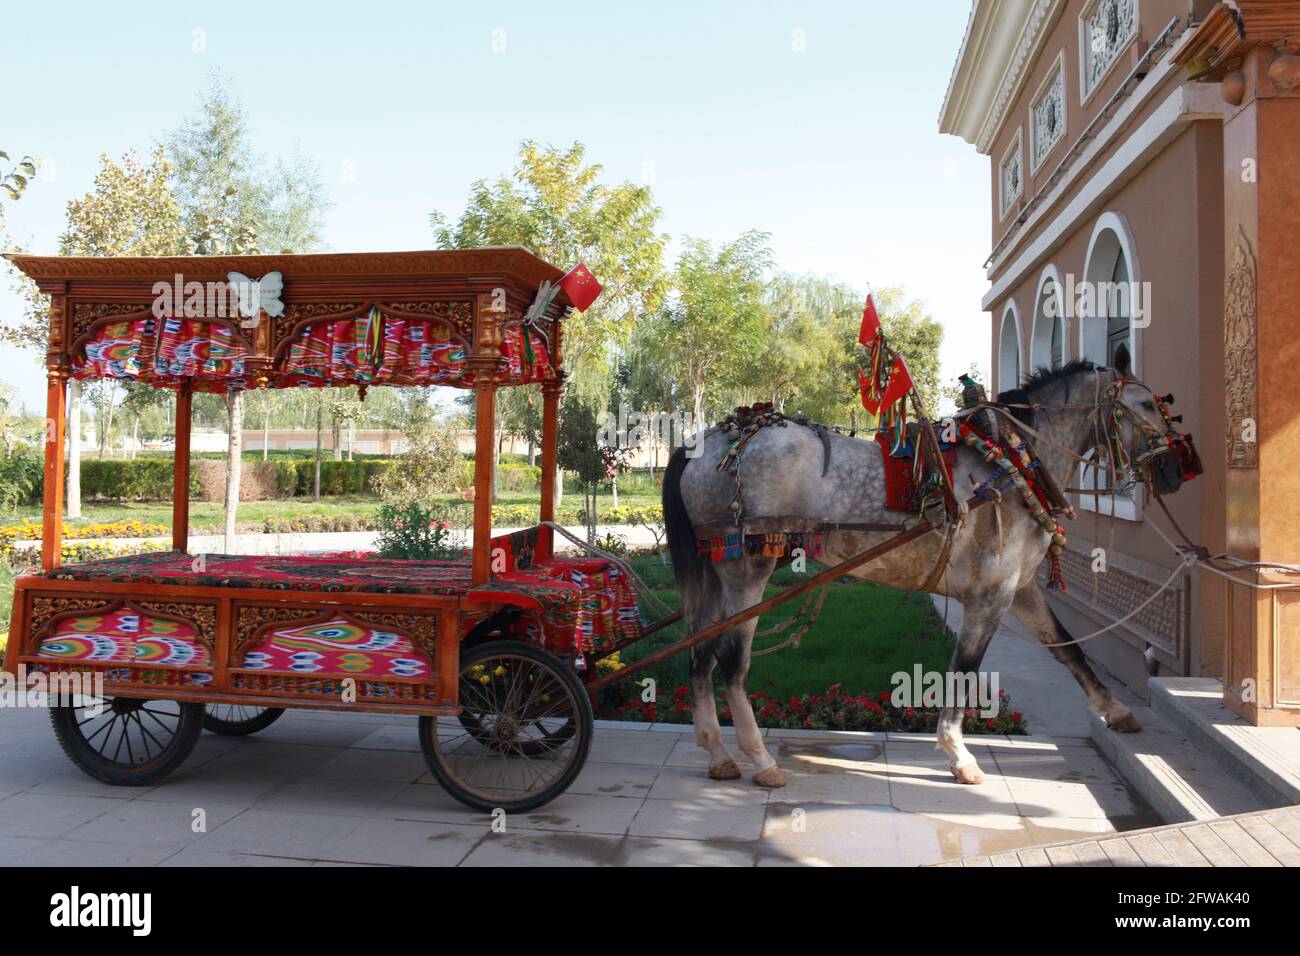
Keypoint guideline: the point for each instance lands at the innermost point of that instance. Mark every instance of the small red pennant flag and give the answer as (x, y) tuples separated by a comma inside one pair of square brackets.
[(864, 387), (581, 287), (870, 322), (900, 383)]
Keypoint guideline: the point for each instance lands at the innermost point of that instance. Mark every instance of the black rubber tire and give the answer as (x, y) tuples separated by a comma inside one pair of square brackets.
[(576, 731), (241, 728), (130, 773)]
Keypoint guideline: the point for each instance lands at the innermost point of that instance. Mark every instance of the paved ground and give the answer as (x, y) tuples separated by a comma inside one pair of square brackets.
[(325, 789), (1263, 838)]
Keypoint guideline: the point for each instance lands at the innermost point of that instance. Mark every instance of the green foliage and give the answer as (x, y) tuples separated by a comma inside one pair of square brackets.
[(139, 479), (554, 203), (417, 532), (576, 447), (431, 464), (21, 479)]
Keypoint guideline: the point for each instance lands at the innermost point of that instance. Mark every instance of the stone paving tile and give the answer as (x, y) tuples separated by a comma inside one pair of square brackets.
[(390, 738), (374, 765), (580, 813), (638, 748), (196, 786), (402, 843), (692, 783), (824, 835), (698, 819), (615, 779), (547, 849), (1069, 782), (91, 853), (48, 816), (276, 833), (72, 782), (153, 825), (343, 796), (272, 759)]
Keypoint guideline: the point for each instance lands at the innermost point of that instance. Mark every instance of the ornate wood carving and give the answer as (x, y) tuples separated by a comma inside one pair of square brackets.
[(252, 618), (87, 314), (1240, 356), (459, 315), (253, 622), (44, 609), (202, 617), (302, 312)]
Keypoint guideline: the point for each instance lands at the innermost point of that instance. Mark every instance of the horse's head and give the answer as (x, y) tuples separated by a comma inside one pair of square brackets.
[(1141, 434)]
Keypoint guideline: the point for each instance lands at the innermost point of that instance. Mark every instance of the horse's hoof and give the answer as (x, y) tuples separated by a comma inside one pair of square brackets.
[(771, 778), (1125, 725), (969, 774), (727, 770)]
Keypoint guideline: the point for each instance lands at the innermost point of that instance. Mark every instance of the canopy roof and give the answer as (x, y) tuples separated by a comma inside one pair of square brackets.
[(386, 318)]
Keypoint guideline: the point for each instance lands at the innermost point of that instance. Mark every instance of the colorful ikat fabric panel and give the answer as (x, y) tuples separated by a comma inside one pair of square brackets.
[(125, 636), (337, 646)]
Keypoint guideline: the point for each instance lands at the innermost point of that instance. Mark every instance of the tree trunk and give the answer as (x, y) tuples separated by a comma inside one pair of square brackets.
[(697, 398), (319, 411), (613, 486), (266, 429), (135, 436), (74, 449), (234, 464)]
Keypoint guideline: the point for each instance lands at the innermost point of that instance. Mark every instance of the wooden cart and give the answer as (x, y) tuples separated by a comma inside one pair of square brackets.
[(483, 650)]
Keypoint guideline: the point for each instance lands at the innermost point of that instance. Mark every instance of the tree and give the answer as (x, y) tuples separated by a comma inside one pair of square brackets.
[(233, 204), (711, 327), (553, 203), (578, 451), (14, 180), (129, 212)]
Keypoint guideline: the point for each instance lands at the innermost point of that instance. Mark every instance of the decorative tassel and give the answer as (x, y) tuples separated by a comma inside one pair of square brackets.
[(1055, 581)]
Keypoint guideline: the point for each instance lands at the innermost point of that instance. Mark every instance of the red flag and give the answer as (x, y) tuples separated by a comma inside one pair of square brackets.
[(900, 383), (870, 322), (864, 387), (581, 287)]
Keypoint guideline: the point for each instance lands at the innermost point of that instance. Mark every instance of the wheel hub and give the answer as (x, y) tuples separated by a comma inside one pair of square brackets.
[(125, 705)]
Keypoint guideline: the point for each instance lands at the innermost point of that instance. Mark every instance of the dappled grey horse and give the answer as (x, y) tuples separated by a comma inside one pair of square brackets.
[(994, 558)]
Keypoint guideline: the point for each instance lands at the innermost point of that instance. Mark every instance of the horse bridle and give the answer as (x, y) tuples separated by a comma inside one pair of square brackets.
[(1167, 458)]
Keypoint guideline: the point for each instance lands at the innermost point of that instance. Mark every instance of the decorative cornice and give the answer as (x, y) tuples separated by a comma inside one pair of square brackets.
[(514, 261), (1231, 29), (1003, 38)]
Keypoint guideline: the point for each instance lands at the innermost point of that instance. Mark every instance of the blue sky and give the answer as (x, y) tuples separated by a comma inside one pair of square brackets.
[(834, 149)]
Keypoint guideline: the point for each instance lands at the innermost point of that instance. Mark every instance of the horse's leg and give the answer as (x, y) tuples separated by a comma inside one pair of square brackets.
[(743, 584), (704, 713), (704, 708), (1032, 610), (980, 619)]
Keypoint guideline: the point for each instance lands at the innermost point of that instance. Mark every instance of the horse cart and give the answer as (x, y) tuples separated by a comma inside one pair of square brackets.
[(497, 655)]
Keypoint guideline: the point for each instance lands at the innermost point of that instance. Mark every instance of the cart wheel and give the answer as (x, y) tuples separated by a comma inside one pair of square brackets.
[(524, 732), (126, 741), (238, 720)]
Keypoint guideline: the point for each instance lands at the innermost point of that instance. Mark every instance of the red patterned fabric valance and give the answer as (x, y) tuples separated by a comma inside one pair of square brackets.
[(382, 349), (165, 351)]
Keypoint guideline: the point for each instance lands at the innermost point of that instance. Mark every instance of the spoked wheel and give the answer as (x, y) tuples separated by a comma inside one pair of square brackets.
[(238, 720), (127, 741), (523, 735)]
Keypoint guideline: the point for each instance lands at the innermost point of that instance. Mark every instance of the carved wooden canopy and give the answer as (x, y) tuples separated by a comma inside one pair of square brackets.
[(406, 318)]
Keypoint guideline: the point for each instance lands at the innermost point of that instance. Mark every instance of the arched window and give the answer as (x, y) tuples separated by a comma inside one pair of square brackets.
[(1111, 281), (1107, 334), (1047, 341), (1009, 349)]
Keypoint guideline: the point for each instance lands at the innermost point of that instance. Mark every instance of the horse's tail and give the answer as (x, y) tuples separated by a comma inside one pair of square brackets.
[(688, 566)]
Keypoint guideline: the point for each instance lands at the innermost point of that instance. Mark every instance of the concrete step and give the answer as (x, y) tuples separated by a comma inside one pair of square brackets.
[(1265, 759), (1173, 772)]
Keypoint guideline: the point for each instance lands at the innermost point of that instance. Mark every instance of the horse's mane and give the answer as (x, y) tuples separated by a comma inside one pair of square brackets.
[(1040, 378)]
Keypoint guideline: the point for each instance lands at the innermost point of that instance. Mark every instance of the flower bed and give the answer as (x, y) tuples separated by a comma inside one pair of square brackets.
[(833, 710)]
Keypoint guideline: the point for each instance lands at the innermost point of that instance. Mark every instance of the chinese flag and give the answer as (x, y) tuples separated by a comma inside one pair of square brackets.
[(581, 287), (870, 322), (900, 383)]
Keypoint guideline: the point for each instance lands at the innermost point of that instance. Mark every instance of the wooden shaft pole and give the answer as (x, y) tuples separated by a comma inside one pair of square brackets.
[(740, 617), (550, 432), (484, 422), (181, 470), (55, 433)]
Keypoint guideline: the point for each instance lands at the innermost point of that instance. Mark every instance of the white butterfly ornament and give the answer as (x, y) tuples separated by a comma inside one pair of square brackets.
[(257, 295)]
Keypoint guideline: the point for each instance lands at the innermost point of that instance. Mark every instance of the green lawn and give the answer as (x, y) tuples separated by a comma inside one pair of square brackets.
[(865, 633)]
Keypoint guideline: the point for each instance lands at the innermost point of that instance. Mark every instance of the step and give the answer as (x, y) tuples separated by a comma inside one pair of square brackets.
[(1266, 759), (1173, 772)]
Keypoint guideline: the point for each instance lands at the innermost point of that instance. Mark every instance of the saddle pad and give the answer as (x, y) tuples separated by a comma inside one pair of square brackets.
[(901, 493)]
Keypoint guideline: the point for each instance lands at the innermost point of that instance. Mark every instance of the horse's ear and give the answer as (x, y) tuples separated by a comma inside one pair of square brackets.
[(1123, 362)]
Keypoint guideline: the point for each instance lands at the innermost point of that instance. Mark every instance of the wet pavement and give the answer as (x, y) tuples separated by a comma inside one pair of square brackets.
[(328, 789)]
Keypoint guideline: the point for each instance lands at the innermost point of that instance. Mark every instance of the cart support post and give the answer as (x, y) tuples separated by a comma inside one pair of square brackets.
[(484, 434), (550, 432), (181, 469), (56, 415)]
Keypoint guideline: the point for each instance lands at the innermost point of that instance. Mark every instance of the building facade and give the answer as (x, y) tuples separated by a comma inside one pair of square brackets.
[(1112, 232)]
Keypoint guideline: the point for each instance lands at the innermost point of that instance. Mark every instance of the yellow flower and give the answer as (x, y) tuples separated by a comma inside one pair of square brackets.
[(500, 671)]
